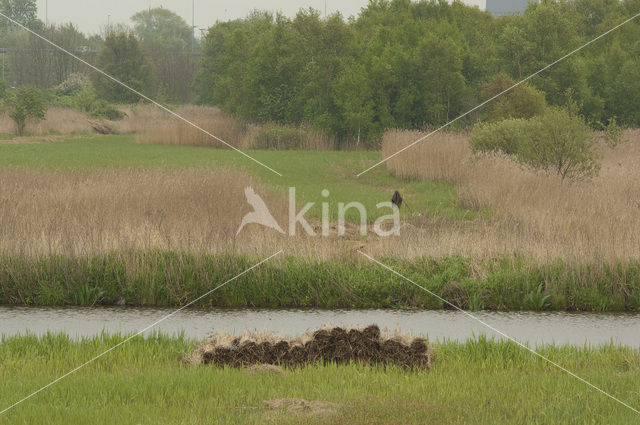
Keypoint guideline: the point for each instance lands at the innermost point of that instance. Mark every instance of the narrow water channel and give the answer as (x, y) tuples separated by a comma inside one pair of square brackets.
[(534, 328)]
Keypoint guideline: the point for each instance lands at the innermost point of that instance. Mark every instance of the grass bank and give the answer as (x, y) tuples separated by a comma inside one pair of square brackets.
[(161, 278), (145, 382)]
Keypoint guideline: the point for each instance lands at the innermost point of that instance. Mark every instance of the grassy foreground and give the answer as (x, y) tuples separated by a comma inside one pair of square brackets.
[(477, 382), (159, 278)]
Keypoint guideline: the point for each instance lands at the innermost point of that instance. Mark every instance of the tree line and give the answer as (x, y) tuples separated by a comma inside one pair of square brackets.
[(398, 64), (403, 64), (161, 39)]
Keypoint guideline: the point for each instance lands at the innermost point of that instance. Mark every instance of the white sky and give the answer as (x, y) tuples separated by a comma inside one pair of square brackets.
[(91, 15)]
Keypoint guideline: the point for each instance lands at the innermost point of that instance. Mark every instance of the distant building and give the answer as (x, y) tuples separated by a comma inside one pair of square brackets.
[(506, 7)]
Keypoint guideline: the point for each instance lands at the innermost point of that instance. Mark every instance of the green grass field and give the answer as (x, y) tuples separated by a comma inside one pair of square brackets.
[(308, 171), (477, 382)]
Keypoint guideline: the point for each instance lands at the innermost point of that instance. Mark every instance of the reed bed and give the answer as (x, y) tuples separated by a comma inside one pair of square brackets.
[(533, 213), (154, 126), (170, 278), (58, 120), (76, 213), (86, 212), (160, 236)]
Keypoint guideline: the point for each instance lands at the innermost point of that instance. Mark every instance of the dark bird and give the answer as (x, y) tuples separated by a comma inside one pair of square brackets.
[(396, 199)]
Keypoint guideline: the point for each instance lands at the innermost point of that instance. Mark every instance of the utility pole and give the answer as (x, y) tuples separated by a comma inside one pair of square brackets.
[(46, 13)]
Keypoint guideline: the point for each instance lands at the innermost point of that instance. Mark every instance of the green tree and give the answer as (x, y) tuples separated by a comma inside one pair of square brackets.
[(631, 6), (22, 11), (522, 101), (162, 26), (413, 64), (352, 95), (36, 63), (624, 93), (168, 41), (323, 45), (516, 50), (441, 80), (3, 89), (25, 103), (273, 74), (122, 58)]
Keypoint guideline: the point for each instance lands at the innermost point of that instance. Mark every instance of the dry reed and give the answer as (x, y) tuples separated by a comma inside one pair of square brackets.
[(152, 125), (76, 213), (199, 210), (534, 213), (58, 120), (155, 126)]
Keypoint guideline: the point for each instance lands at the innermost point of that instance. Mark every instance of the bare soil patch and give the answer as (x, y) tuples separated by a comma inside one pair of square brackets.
[(301, 406), (263, 368), (34, 139)]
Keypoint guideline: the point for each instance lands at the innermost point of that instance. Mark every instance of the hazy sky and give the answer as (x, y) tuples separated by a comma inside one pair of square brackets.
[(91, 15)]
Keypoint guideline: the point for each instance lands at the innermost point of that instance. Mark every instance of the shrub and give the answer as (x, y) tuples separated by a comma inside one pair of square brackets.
[(507, 136), (558, 141), (562, 142), (72, 85), (102, 109), (280, 138), (86, 99), (26, 102)]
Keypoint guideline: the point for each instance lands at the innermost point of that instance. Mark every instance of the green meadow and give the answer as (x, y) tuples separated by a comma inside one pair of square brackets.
[(144, 381)]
